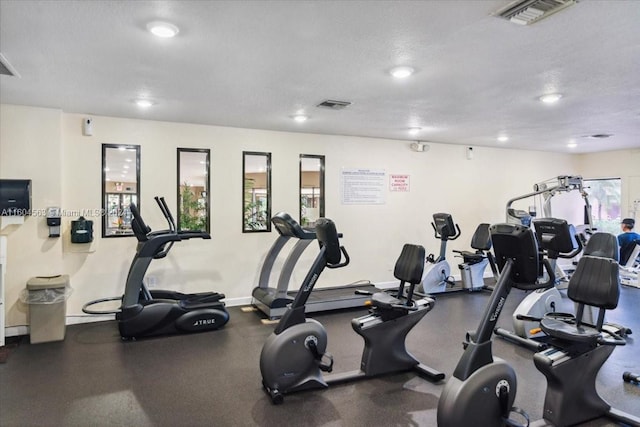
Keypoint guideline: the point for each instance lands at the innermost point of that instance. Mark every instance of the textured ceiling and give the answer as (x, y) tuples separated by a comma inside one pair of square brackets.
[(255, 64)]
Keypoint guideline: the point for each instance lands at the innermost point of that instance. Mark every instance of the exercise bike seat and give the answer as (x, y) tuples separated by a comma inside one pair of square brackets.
[(384, 301), (481, 242), (595, 283), (471, 257), (570, 331)]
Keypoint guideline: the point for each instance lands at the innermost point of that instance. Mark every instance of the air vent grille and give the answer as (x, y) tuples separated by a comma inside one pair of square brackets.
[(334, 105), (527, 12), (5, 68)]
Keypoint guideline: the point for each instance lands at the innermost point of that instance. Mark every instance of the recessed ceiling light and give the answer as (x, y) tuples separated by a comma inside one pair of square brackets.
[(551, 98), (162, 29), (300, 118), (128, 160), (401, 72), (503, 138), (572, 144), (144, 103), (125, 166), (122, 148), (414, 131)]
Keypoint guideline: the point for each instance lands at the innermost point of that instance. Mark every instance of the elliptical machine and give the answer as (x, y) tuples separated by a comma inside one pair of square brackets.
[(294, 356), (145, 312), (482, 389), (437, 275)]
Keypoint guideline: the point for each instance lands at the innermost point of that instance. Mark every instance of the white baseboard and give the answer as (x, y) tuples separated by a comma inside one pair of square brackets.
[(235, 302), (74, 319), (15, 331)]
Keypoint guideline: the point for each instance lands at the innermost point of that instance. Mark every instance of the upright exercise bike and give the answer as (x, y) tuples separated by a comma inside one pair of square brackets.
[(482, 389), (294, 356), (437, 275)]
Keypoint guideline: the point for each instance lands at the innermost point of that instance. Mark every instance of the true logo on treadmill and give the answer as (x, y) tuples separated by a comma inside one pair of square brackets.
[(204, 322)]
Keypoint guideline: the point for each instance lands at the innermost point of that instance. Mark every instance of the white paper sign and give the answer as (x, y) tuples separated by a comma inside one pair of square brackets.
[(363, 186), (399, 182)]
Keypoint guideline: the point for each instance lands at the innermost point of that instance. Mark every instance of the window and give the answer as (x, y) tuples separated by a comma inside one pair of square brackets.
[(311, 189), (605, 198), (193, 189), (120, 187), (256, 193)]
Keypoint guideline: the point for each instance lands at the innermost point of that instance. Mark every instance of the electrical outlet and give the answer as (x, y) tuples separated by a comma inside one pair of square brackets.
[(151, 281)]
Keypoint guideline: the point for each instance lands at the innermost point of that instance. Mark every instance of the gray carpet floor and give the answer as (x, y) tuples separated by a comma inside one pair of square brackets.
[(92, 378)]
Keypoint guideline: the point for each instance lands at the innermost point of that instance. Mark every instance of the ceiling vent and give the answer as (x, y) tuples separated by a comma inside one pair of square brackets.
[(6, 69), (334, 105), (527, 12), (599, 136)]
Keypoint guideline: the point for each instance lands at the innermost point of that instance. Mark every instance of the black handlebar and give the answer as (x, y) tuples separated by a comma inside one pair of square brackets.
[(575, 251), (441, 237), (342, 264), (533, 286), (166, 212)]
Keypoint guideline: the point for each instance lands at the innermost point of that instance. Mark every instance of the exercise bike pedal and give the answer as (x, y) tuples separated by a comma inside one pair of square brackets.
[(326, 367), (276, 397)]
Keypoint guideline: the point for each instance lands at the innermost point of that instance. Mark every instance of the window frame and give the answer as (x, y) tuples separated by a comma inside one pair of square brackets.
[(105, 207), (207, 187)]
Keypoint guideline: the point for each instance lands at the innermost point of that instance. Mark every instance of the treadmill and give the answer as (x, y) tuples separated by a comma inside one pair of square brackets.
[(273, 302)]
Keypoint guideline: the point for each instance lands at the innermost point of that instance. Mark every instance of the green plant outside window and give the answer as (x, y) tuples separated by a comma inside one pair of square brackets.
[(193, 189)]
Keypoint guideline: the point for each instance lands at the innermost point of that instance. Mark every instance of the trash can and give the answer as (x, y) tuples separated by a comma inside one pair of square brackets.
[(47, 300)]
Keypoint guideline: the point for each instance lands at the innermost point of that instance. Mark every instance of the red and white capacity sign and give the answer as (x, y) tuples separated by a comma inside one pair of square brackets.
[(398, 182)]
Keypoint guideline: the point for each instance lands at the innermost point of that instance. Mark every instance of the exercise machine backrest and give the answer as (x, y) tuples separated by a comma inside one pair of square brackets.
[(595, 282), (603, 245), (409, 269), (481, 239)]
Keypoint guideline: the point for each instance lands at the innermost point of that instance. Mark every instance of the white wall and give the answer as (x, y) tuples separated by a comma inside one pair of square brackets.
[(442, 179), (31, 148)]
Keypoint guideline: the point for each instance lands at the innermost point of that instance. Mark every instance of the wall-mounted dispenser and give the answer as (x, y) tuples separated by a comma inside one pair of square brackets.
[(81, 230), (15, 197), (53, 221)]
